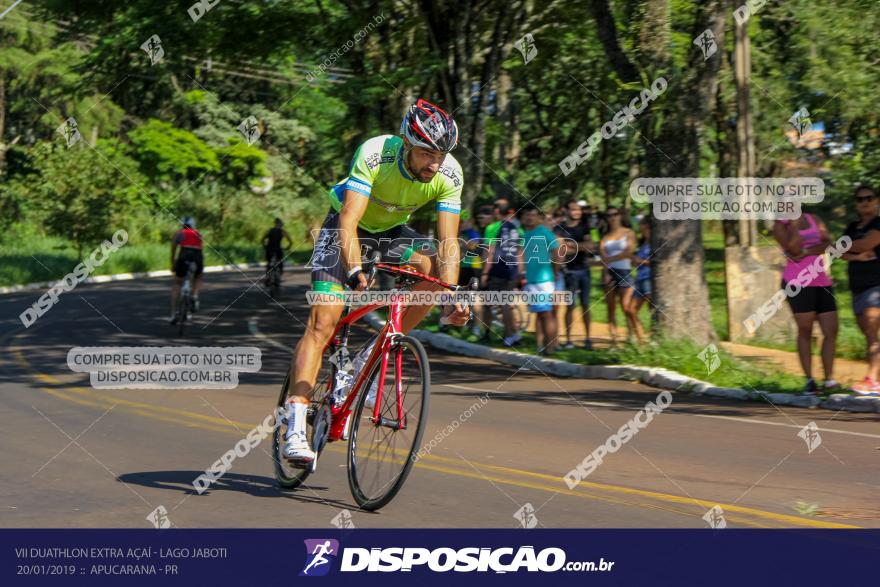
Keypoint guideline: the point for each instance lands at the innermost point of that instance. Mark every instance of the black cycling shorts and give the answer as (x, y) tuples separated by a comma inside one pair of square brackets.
[(395, 246), (812, 299), (187, 255)]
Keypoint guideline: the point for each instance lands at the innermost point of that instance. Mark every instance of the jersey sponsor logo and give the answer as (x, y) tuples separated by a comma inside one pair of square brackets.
[(375, 160), (451, 174), (394, 207), (447, 207), (358, 186)]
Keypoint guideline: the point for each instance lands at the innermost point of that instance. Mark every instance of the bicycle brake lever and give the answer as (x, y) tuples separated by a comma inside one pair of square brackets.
[(374, 260)]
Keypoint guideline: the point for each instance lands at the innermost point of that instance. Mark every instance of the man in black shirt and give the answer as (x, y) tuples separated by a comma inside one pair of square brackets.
[(501, 269), (272, 243), (577, 249)]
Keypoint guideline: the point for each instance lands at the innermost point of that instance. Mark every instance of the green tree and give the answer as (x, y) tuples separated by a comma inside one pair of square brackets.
[(85, 193)]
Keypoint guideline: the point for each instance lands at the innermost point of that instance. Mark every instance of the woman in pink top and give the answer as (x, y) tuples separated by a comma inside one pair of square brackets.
[(809, 292)]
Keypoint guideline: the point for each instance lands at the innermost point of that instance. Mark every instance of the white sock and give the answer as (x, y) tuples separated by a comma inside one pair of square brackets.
[(296, 419)]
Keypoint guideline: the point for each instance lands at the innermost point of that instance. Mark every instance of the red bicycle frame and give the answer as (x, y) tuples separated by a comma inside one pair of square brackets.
[(382, 348)]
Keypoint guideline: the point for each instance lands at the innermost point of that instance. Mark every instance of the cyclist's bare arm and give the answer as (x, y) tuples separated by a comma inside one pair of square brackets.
[(265, 241), (449, 253), (448, 259), (287, 237), (353, 209)]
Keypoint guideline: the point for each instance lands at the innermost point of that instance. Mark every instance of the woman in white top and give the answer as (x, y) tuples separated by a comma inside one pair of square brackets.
[(617, 248)]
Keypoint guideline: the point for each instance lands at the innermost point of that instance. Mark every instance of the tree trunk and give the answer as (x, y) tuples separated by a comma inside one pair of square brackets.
[(745, 143), (724, 150), (681, 293)]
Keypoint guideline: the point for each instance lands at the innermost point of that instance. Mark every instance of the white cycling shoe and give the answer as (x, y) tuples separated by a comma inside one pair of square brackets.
[(297, 449)]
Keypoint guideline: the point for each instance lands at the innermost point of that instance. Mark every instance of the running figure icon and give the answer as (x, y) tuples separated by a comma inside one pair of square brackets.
[(318, 551)]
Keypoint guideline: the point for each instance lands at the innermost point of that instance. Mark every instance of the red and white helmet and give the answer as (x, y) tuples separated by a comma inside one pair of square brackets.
[(428, 126)]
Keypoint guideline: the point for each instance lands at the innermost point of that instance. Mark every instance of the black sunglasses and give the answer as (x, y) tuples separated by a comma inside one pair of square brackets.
[(861, 199), (613, 214)]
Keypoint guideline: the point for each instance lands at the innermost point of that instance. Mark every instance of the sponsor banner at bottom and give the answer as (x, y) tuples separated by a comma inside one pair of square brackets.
[(471, 557)]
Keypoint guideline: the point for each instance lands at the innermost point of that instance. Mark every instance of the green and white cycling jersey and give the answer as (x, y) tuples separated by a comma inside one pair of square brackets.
[(377, 171)]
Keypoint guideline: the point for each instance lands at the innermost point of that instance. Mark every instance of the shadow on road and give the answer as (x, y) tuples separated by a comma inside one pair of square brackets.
[(253, 485)]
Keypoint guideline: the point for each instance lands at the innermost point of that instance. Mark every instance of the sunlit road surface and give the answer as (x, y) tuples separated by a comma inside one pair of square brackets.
[(74, 456)]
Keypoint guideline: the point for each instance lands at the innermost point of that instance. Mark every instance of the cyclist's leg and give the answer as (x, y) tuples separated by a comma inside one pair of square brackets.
[(327, 277), (175, 293), (199, 259), (307, 357), (179, 274)]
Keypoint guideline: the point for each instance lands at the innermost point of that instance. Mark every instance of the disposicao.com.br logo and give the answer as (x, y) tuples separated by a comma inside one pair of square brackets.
[(444, 559)]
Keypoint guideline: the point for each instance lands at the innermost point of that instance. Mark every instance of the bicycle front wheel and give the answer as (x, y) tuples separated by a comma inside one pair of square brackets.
[(380, 455)]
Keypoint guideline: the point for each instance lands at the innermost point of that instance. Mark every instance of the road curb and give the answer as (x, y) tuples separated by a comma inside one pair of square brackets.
[(123, 277), (653, 376)]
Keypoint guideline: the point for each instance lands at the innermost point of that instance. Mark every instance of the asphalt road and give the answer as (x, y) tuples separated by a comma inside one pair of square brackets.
[(74, 456)]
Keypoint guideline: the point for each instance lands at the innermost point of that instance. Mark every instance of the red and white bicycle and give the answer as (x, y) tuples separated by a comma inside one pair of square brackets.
[(383, 439)]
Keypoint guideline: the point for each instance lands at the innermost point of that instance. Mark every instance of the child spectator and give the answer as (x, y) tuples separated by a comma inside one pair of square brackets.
[(539, 255)]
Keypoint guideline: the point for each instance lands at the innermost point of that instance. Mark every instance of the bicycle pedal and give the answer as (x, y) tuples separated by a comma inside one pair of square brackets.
[(301, 464)]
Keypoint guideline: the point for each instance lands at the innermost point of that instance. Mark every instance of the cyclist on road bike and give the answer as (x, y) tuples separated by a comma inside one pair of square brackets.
[(272, 243), (390, 177), (190, 242)]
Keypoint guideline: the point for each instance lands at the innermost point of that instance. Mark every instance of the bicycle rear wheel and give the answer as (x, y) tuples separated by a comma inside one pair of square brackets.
[(380, 456), (275, 284)]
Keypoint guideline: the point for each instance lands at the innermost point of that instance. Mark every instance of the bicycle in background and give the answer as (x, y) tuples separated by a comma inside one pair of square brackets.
[(273, 277), (185, 301)]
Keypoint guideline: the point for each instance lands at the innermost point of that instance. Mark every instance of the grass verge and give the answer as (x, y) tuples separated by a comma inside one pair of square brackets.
[(677, 355)]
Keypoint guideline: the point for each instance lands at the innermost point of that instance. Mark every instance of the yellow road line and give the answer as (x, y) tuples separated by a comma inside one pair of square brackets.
[(193, 420)]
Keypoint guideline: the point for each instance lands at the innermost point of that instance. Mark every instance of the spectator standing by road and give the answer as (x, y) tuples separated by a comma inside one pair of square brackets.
[(617, 248), (864, 281), (577, 246), (539, 256), (501, 269), (642, 260), (471, 263), (472, 253), (803, 241)]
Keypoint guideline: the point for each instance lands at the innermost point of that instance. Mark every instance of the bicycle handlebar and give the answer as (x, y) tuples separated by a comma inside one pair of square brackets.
[(413, 274)]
